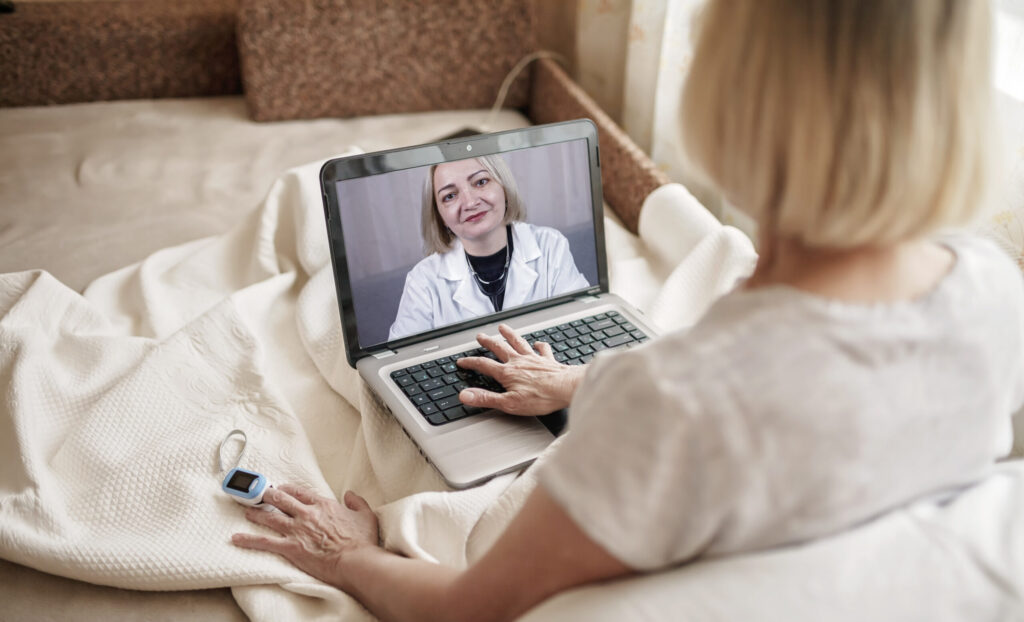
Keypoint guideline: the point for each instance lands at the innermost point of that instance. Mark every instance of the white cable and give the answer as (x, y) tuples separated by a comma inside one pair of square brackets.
[(241, 454), (512, 74)]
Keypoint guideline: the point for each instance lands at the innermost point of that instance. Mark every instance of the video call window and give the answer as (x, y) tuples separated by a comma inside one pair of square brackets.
[(433, 246)]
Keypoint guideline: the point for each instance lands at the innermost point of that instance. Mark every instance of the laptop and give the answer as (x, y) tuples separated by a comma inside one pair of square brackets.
[(411, 232)]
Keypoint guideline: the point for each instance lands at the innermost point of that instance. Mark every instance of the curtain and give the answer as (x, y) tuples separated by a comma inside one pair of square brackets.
[(1006, 225), (654, 41)]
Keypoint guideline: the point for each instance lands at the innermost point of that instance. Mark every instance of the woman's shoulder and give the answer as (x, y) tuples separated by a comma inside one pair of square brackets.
[(543, 234), (429, 265)]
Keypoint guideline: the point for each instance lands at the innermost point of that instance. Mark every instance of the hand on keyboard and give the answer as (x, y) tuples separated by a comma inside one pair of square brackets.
[(535, 383)]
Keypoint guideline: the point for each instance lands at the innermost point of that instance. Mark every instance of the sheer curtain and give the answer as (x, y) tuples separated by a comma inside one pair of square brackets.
[(633, 57), (1006, 225), (653, 40)]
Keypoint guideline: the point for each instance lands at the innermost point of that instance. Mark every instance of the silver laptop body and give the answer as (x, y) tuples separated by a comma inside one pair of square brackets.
[(372, 206)]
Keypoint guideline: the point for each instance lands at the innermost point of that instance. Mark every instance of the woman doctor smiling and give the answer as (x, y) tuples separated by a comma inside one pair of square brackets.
[(482, 257)]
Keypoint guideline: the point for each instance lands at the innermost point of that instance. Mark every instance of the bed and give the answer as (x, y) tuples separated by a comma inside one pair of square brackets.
[(170, 202)]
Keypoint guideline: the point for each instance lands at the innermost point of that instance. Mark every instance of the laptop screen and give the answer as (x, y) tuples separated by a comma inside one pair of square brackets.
[(433, 246)]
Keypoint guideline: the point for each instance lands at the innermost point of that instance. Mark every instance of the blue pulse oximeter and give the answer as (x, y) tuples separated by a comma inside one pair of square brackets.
[(245, 487)]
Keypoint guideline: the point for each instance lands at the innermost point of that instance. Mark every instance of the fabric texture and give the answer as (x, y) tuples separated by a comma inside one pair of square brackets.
[(341, 58), (66, 52), (439, 290), (784, 417)]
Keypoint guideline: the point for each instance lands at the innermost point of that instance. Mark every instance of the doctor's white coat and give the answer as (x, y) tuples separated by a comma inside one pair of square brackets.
[(440, 290)]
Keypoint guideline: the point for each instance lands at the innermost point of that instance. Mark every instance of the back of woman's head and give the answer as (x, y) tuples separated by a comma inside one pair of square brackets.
[(843, 123)]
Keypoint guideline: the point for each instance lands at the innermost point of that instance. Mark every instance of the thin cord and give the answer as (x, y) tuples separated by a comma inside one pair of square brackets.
[(512, 74), (241, 454)]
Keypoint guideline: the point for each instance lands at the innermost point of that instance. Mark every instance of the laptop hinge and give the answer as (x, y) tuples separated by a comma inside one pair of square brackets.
[(587, 298), (383, 355)]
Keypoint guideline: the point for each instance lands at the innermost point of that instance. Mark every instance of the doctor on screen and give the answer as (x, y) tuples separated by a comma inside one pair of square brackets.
[(483, 258)]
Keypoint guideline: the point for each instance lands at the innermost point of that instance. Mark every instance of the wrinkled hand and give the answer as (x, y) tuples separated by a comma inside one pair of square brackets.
[(316, 533), (535, 383)]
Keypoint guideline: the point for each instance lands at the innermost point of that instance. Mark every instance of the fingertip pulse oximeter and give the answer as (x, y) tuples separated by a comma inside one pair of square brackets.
[(244, 486)]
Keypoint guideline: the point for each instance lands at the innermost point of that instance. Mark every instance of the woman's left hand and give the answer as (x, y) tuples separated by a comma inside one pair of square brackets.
[(316, 533)]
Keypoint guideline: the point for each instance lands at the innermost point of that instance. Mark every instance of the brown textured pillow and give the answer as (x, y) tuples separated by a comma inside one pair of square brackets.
[(340, 58)]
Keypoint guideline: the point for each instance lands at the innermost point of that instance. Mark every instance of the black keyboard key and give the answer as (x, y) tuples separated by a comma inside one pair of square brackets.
[(628, 327), (420, 399), (561, 357), (551, 330), (448, 402), (583, 330), (598, 346), (572, 332), (454, 414), (621, 319), (560, 347), (573, 353), (585, 349), (603, 324), (474, 410), (614, 330), (558, 337), (573, 343), (576, 323), (435, 372), (428, 408), (450, 378), (404, 381), (414, 368), (586, 339), (586, 358), (444, 359), (638, 334), (449, 368), (601, 316), (420, 376), (398, 373), (459, 386), (412, 390), (598, 334), (563, 327), (437, 419), (445, 391), (429, 364), (613, 313), (618, 340), (433, 383)]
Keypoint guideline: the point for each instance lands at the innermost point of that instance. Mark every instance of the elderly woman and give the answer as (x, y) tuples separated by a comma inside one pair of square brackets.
[(867, 362), (482, 257)]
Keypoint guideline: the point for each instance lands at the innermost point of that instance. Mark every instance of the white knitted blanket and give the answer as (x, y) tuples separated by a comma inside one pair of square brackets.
[(115, 402)]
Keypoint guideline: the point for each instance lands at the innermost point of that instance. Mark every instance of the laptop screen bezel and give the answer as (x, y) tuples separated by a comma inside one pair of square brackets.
[(381, 162)]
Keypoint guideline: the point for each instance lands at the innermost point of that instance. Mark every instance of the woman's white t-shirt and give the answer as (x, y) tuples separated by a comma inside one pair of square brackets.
[(783, 417)]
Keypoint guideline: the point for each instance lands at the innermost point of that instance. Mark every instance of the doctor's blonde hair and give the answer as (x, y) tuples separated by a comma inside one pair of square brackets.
[(437, 238), (843, 123)]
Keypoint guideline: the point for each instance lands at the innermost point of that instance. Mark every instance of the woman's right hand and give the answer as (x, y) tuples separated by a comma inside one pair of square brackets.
[(535, 383)]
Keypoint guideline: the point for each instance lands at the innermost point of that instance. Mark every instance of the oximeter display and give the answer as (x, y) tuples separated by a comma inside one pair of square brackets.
[(241, 481)]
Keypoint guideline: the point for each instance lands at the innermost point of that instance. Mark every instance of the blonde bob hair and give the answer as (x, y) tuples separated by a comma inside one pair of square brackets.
[(843, 123), (437, 238)]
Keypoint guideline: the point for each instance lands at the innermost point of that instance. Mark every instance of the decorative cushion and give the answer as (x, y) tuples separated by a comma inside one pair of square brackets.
[(66, 52), (342, 58)]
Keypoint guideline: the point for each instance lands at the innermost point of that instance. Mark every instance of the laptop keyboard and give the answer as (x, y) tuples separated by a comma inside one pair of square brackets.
[(434, 386)]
